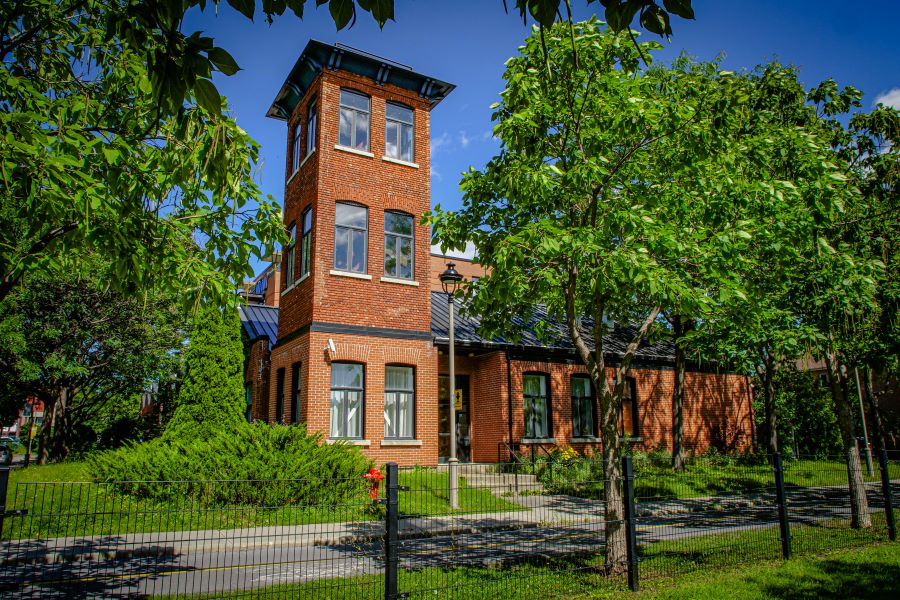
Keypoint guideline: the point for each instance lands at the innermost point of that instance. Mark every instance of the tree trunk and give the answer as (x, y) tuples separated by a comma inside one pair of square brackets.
[(62, 427), (614, 505), (859, 504), (46, 428), (874, 409), (679, 328)]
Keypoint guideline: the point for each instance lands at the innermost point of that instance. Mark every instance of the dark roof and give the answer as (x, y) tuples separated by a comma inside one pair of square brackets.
[(556, 338), (260, 321), (319, 55)]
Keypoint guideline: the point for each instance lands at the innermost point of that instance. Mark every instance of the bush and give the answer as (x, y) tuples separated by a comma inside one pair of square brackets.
[(233, 468)]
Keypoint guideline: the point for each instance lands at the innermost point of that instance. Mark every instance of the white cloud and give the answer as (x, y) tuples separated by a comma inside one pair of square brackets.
[(439, 143), (464, 139), (889, 98), (435, 174)]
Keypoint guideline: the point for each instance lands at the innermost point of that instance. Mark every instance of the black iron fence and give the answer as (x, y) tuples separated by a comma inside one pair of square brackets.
[(512, 532)]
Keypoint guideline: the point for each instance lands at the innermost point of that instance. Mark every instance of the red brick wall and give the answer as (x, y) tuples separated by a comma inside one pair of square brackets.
[(256, 373), (711, 400), (464, 267), (374, 353)]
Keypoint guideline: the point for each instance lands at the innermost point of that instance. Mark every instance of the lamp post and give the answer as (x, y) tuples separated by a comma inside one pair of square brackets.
[(450, 281)]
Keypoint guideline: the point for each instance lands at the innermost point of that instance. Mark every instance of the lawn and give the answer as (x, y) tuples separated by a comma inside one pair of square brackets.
[(703, 477), (62, 501), (703, 568)]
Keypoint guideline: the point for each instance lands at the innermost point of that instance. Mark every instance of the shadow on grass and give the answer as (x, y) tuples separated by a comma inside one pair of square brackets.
[(837, 579)]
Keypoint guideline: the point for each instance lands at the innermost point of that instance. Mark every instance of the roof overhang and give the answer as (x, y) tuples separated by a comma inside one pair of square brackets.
[(318, 56)]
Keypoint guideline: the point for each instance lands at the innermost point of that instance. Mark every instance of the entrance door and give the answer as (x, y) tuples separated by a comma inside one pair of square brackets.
[(461, 405)]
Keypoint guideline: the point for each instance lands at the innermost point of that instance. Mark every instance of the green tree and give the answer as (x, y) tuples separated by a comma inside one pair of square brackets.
[(576, 211), (82, 348), (212, 391)]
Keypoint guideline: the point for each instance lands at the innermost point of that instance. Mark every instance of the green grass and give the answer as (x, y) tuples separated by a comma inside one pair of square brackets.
[(702, 477), (703, 567), (62, 501)]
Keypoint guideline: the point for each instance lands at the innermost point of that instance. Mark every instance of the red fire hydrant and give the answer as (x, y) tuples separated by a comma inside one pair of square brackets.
[(374, 477)]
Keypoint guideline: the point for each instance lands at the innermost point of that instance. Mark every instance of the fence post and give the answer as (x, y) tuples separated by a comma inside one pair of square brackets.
[(886, 491), (391, 530), (782, 507), (630, 525), (4, 486)]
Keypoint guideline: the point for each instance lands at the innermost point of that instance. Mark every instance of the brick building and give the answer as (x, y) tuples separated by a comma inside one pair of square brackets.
[(354, 342)]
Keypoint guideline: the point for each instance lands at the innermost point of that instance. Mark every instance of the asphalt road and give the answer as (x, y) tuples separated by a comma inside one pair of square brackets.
[(506, 540)]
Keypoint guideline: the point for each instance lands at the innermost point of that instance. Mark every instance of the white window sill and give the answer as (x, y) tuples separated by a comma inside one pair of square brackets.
[(397, 161), (294, 174), (353, 150), (401, 442), (306, 158), (538, 441), (302, 279), (584, 440), (351, 275), (400, 281), (352, 442)]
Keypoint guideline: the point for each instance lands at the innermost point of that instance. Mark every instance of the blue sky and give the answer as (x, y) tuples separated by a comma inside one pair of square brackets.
[(466, 43)]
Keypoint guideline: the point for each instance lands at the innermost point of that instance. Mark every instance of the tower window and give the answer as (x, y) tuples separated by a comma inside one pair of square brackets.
[(350, 232), (311, 128), (295, 148), (305, 241), (398, 132), (398, 245), (289, 255), (353, 131)]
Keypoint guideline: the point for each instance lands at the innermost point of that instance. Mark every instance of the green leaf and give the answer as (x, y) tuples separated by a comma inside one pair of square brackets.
[(543, 11), (656, 20), (208, 96), (682, 8), (223, 61), (245, 7), (341, 11)]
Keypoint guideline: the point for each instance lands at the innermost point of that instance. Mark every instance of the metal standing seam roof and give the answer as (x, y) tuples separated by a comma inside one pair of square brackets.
[(317, 56), (466, 332), (260, 321)]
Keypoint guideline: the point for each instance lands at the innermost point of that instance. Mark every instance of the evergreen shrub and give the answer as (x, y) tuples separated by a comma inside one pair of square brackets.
[(250, 465)]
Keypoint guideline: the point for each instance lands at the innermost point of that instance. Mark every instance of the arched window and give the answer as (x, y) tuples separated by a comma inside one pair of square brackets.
[(398, 132), (536, 397), (351, 222), (353, 130), (583, 412), (399, 402), (398, 245)]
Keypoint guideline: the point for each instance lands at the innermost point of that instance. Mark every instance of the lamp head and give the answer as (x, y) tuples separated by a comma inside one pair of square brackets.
[(450, 279)]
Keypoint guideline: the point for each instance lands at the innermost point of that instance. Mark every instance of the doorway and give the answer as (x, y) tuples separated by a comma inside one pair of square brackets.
[(463, 423)]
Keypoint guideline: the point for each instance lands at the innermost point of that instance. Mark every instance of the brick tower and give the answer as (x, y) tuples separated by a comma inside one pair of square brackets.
[(354, 357)]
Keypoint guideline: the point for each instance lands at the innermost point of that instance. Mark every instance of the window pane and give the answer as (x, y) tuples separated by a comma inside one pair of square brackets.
[(341, 248), (390, 140), (354, 414), (398, 223), (307, 221), (406, 143), (405, 270), (398, 378), (355, 100), (346, 127), (346, 375), (336, 429), (362, 132), (405, 415), (390, 255), (358, 251), (304, 255), (350, 215), (399, 113), (390, 410)]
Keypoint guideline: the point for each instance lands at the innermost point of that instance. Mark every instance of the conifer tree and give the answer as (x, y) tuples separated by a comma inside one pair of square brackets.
[(211, 395)]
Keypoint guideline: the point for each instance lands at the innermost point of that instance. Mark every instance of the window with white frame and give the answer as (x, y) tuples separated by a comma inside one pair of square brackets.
[(350, 233), (288, 259), (398, 132), (347, 390), (537, 406), (305, 241), (353, 130), (311, 119), (399, 402), (295, 148), (583, 407), (398, 245)]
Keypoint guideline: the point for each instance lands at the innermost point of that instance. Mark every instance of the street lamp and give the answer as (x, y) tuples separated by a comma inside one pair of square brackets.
[(450, 281)]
